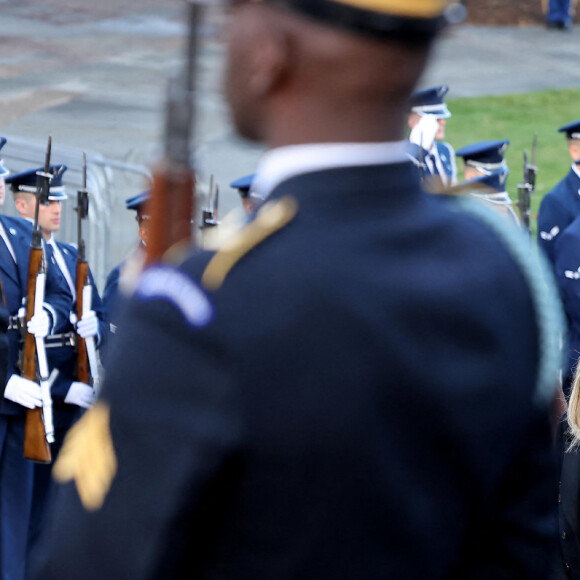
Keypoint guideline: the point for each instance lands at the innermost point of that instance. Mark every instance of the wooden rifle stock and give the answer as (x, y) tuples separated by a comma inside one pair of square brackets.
[(83, 369), (171, 210), (82, 277), (36, 447)]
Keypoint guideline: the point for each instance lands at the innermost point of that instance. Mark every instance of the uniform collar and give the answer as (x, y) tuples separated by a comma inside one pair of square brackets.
[(282, 163)]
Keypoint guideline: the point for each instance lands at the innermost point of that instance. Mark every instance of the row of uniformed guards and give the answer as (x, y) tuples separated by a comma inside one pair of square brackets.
[(24, 485)]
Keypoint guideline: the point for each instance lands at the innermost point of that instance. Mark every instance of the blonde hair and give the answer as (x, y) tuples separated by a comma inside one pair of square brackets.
[(573, 416)]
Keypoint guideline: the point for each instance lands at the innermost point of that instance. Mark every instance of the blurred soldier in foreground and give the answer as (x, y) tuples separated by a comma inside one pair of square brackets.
[(561, 205), (427, 121), (332, 394), (485, 163)]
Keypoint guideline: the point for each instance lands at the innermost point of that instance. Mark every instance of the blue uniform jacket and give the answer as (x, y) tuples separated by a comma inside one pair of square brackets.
[(64, 358), (348, 404), (14, 276), (447, 155), (567, 269), (558, 209)]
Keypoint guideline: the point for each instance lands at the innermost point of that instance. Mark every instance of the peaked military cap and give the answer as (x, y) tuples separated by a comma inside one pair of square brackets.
[(3, 171), (430, 102), (26, 181), (572, 130), (243, 184), (485, 185), (486, 156), (135, 201), (493, 181), (381, 18)]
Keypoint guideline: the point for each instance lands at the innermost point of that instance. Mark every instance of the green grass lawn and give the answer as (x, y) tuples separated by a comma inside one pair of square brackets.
[(517, 118)]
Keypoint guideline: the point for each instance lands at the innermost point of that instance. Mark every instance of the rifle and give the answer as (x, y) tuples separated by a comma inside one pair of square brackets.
[(171, 205), (527, 188), (209, 215), (87, 365), (38, 430)]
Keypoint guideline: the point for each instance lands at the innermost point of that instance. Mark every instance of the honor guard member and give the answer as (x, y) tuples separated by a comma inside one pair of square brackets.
[(123, 276), (332, 394), (70, 397), (427, 120), (567, 268), (243, 185), (19, 394), (561, 205), (484, 161), (3, 173), (4, 357)]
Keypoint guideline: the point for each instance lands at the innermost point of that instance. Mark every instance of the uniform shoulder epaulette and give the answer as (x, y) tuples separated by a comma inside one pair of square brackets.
[(272, 217)]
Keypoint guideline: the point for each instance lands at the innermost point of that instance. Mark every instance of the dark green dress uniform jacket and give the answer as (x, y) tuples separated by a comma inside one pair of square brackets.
[(353, 400)]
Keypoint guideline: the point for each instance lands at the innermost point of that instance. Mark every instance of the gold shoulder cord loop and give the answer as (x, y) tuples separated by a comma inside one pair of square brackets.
[(271, 218)]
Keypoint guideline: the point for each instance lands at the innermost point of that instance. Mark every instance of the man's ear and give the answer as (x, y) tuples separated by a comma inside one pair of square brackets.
[(20, 205), (269, 63)]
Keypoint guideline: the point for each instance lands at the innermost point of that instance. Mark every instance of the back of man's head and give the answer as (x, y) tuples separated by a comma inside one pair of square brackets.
[(326, 70)]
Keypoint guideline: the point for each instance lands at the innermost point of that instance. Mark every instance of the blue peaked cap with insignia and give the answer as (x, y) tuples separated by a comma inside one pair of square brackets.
[(572, 130), (486, 156), (243, 184), (430, 102), (3, 171), (26, 182), (136, 201)]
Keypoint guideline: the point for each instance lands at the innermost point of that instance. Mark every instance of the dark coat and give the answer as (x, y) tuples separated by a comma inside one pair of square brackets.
[(348, 404), (567, 555)]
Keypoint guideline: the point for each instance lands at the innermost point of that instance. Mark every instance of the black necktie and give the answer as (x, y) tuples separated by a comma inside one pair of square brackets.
[(5, 255), (48, 254), (434, 164)]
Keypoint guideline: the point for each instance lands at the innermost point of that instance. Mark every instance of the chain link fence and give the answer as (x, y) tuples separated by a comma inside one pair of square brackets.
[(111, 232)]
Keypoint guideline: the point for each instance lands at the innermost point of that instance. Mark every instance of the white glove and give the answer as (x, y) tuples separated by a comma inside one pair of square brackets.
[(24, 392), (39, 325), (423, 133), (88, 325), (80, 394)]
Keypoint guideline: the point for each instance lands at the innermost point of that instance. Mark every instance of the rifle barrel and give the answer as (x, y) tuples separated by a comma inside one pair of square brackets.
[(171, 205)]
